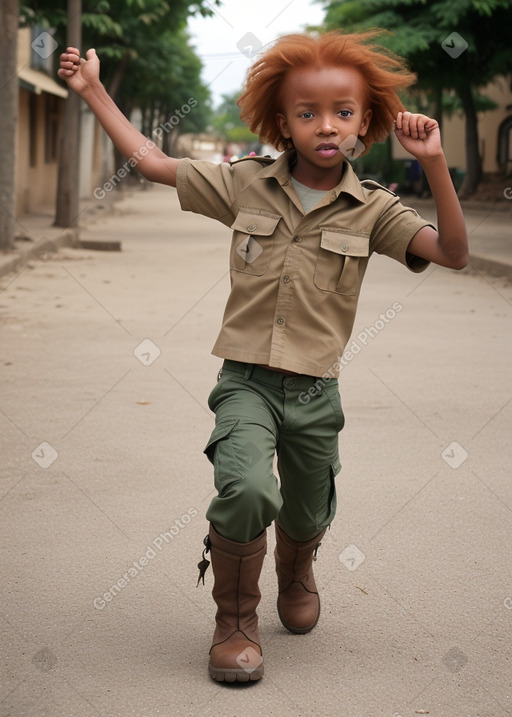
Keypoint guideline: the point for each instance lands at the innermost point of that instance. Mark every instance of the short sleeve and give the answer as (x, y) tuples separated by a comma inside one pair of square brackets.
[(393, 231), (207, 188)]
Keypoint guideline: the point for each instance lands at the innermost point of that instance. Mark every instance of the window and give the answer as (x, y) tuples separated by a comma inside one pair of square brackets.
[(51, 128), (32, 129)]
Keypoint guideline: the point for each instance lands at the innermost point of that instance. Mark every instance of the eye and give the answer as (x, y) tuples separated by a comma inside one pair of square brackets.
[(306, 115), (345, 113)]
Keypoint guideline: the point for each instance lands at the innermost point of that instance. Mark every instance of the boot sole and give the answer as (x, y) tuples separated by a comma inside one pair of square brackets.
[(297, 630), (231, 675)]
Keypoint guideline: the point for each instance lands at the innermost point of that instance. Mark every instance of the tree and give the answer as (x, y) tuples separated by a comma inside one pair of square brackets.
[(458, 45), (68, 202), (122, 31), (118, 29), (165, 84), (9, 19), (227, 122)]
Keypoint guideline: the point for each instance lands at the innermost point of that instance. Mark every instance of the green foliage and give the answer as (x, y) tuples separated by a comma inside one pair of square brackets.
[(417, 28), (227, 123), (241, 135), (227, 117), (451, 103), (167, 77), (146, 57)]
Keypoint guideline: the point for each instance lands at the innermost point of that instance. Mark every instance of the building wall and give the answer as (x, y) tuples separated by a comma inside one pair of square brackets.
[(500, 92), (39, 117), (488, 125), (39, 120)]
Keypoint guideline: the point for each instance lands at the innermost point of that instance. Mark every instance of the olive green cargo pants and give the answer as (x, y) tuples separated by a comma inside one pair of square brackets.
[(259, 414)]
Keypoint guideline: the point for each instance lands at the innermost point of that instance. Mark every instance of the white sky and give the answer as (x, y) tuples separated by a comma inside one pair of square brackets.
[(247, 24)]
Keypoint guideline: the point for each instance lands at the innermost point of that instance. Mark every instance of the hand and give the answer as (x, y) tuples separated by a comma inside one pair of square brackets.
[(419, 135), (80, 74)]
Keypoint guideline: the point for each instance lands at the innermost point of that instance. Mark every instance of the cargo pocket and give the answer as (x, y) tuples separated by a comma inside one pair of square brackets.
[(251, 247), (327, 507), (341, 261), (221, 453)]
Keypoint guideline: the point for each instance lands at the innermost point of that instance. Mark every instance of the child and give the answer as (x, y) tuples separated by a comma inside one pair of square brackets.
[(304, 228)]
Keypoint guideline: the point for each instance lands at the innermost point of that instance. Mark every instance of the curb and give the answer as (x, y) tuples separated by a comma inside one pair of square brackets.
[(43, 249), (51, 237), (491, 266)]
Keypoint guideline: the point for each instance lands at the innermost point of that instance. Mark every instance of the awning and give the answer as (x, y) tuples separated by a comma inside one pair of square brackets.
[(38, 82)]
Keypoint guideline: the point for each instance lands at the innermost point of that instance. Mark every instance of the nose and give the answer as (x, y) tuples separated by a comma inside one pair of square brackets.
[(326, 125)]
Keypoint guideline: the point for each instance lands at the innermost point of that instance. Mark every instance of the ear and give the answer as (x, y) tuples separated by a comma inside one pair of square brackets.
[(283, 125), (365, 123)]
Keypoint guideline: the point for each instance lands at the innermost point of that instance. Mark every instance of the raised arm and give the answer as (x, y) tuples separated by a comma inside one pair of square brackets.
[(83, 77), (420, 136)]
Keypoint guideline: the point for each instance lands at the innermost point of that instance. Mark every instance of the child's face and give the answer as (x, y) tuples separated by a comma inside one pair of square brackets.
[(323, 107)]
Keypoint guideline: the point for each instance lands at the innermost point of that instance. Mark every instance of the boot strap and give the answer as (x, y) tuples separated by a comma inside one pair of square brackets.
[(204, 562), (316, 550)]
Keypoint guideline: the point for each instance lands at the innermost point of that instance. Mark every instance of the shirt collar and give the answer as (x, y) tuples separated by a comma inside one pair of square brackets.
[(280, 169)]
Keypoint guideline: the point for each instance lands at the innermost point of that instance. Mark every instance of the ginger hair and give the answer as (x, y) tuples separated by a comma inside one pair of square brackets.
[(383, 72)]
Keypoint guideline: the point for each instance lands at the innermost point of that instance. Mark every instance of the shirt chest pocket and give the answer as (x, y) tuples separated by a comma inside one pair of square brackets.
[(342, 260), (253, 239)]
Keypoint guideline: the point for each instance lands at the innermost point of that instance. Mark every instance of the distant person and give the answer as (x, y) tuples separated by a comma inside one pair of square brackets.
[(414, 178), (304, 228)]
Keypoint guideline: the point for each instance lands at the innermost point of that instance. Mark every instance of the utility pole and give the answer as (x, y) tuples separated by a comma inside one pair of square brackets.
[(9, 21), (67, 206)]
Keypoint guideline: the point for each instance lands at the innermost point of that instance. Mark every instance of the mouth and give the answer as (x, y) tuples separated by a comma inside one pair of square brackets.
[(327, 149)]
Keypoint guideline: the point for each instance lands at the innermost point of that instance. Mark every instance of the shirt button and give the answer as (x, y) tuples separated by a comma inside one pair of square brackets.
[(286, 279), (345, 247), (252, 227), (280, 321), (297, 238)]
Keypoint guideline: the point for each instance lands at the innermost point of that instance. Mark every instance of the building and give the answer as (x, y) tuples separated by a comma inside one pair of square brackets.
[(40, 117), (40, 113), (494, 131)]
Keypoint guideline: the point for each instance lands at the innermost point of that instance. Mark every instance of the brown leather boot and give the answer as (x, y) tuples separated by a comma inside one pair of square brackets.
[(236, 655), (298, 603)]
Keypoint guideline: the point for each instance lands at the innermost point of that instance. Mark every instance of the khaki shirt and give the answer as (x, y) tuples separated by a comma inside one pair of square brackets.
[(295, 277)]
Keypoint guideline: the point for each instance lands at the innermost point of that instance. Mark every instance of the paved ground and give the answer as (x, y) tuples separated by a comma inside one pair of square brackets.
[(105, 367)]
